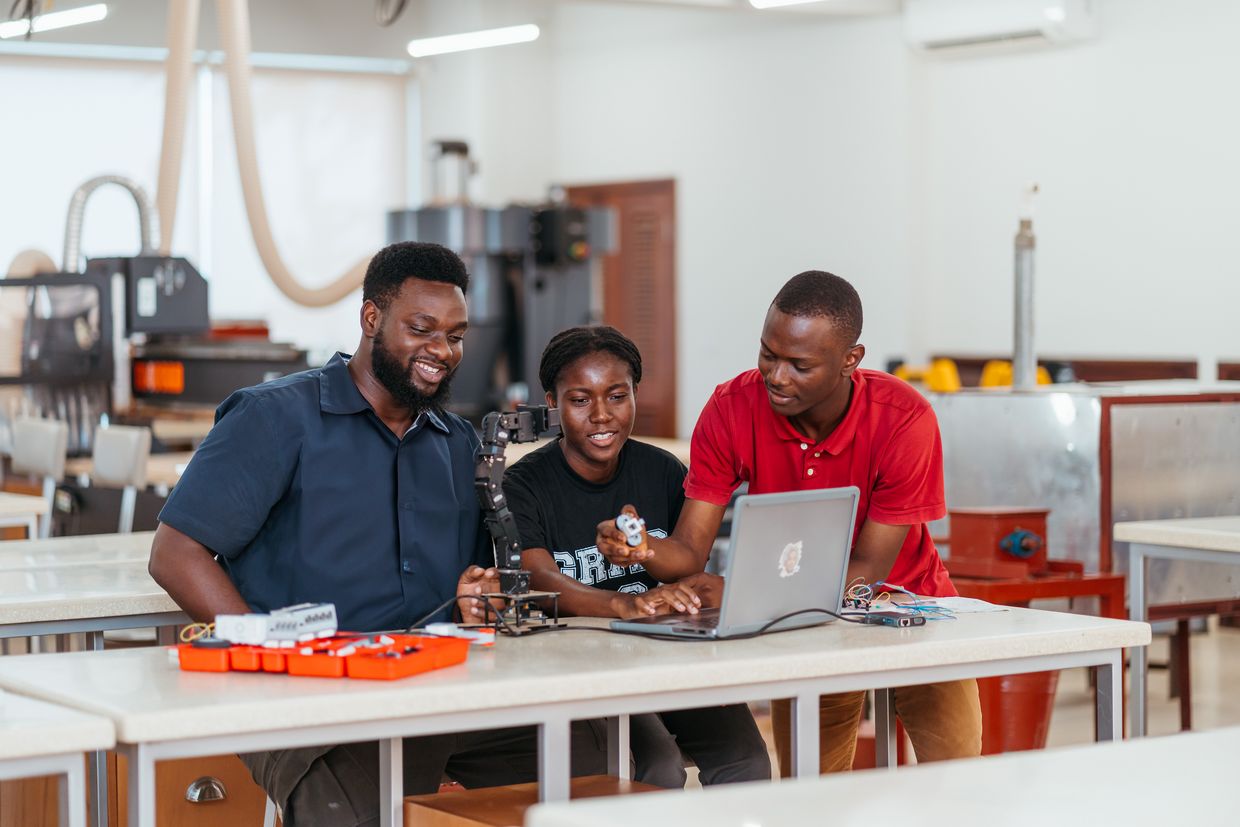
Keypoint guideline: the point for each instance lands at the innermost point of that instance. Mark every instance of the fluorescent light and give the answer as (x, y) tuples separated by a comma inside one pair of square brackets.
[(426, 46), (774, 4), (55, 20)]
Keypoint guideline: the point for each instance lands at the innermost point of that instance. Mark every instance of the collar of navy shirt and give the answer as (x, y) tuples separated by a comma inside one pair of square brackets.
[(338, 394)]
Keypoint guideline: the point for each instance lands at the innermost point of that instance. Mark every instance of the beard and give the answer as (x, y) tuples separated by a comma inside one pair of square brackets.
[(397, 378)]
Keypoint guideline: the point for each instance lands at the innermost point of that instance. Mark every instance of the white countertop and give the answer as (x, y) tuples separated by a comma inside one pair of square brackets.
[(1179, 779), (30, 728), (1208, 533), (21, 505), (150, 699), (88, 549), (35, 595)]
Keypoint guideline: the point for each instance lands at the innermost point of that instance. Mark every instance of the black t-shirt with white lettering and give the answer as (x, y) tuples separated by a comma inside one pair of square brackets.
[(557, 510)]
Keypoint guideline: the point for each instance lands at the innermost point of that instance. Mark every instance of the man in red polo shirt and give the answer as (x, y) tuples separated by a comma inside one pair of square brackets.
[(808, 417)]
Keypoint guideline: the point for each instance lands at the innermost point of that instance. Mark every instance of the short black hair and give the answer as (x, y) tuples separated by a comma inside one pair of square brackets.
[(396, 263), (818, 293), (568, 346)]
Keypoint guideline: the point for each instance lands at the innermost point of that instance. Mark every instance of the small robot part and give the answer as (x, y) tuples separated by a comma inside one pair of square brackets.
[(287, 626), (632, 528)]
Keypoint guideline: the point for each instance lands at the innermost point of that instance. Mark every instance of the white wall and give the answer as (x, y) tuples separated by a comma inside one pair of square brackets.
[(796, 142), (788, 142), (1133, 138)]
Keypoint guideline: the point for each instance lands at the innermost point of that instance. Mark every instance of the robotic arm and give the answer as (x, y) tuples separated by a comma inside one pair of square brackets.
[(499, 429)]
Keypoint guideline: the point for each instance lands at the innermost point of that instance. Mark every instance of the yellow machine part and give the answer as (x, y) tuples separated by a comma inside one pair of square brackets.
[(941, 376), (998, 374)]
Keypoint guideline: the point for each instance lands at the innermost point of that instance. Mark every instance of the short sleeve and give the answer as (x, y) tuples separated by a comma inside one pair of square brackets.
[(713, 473), (908, 486), (526, 511), (238, 474), (675, 489)]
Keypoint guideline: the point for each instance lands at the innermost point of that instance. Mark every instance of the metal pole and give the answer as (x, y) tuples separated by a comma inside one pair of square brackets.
[(1024, 360)]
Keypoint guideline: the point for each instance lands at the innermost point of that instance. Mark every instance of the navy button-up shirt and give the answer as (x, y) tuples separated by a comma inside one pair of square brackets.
[(306, 496)]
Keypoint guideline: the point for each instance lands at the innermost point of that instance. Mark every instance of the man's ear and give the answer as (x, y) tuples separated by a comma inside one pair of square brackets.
[(852, 359), (371, 318), (550, 398)]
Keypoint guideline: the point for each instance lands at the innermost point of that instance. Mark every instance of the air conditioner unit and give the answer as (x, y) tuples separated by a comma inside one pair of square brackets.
[(943, 24)]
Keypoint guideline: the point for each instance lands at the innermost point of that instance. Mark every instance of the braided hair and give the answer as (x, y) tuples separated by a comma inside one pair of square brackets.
[(568, 346)]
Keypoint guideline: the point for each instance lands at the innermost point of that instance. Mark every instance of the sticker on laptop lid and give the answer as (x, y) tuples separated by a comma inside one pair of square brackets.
[(790, 559)]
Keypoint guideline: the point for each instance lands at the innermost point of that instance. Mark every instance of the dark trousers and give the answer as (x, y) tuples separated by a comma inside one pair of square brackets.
[(339, 786), (723, 741)]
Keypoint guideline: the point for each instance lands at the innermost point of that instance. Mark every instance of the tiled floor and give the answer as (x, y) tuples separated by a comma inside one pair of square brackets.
[(1216, 674)]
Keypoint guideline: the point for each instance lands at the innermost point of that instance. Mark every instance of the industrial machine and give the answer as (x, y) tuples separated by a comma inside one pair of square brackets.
[(524, 610), (531, 275), (121, 330)]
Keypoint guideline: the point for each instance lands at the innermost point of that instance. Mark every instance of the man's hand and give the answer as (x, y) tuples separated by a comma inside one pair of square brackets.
[(614, 546), (476, 581)]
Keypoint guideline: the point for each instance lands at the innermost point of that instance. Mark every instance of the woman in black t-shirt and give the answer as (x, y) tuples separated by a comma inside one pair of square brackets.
[(560, 492)]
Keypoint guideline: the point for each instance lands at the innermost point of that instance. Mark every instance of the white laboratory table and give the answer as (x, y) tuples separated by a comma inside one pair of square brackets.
[(1200, 539), (55, 600), (86, 550), (38, 738), (22, 510), (1181, 779), (554, 678)]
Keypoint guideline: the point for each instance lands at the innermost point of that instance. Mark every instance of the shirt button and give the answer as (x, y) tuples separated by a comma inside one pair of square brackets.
[(804, 447), (810, 472), (406, 567), (817, 453)]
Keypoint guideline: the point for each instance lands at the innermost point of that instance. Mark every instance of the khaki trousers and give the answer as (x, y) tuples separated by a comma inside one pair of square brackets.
[(943, 720)]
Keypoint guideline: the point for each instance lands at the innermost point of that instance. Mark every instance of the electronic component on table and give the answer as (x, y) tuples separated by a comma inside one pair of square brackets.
[(632, 527), (287, 626), (899, 619)]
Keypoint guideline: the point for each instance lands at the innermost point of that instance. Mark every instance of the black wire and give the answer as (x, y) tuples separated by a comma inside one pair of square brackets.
[(486, 602), (501, 623), (765, 629)]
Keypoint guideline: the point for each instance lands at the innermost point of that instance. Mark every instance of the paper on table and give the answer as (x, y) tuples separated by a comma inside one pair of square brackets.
[(967, 605)]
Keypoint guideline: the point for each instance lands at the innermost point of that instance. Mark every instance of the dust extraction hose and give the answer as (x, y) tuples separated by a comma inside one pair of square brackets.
[(182, 37), (71, 259), (234, 22)]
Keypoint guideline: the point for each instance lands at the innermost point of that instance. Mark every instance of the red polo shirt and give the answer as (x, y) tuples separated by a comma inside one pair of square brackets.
[(887, 445)]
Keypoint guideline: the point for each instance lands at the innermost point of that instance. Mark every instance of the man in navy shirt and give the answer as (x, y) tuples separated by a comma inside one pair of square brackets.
[(351, 485)]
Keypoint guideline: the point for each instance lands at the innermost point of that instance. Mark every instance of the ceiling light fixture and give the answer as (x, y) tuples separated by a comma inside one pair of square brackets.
[(427, 46), (54, 20), (774, 4)]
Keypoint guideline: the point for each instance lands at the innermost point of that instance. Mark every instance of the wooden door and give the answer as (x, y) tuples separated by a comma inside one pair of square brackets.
[(639, 288)]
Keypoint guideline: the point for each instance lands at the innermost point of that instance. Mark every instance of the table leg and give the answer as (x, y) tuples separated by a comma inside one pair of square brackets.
[(554, 766), (805, 733), (97, 773), (141, 788), (1137, 654), (72, 789), (884, 729), (618, 764), (391, 783), (1109, 699)]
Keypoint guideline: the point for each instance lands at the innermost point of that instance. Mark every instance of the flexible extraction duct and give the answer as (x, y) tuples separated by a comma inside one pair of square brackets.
[(182, 36), (234, 22), (71, 260)]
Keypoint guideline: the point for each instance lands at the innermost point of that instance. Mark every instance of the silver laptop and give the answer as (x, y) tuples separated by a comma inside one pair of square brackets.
[(788, 552)]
